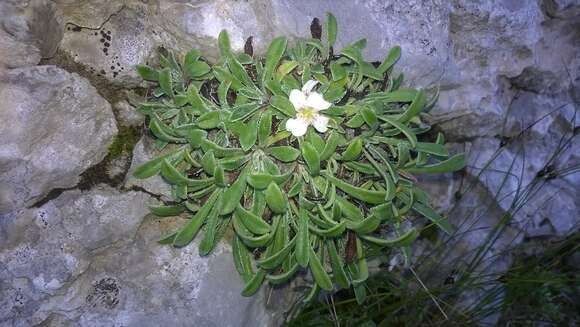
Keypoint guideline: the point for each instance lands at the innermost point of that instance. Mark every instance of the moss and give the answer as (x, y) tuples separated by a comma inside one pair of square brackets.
[(124, 142)]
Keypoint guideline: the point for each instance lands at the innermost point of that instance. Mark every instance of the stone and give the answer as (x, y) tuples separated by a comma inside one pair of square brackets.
[(28, 31), (110, 41), (127, 115), (44, 249), (55, 126), (92, 259)]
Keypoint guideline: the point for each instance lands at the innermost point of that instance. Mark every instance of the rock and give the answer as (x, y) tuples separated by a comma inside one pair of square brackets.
[(44, 249), (128, 115), (110, 42), (92, 259), (28, 31), (55, 127), (500, 50), (131, 32)]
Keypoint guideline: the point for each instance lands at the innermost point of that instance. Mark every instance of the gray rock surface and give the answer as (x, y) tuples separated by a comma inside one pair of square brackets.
[(55, 126), (92, 259), (29, 30)]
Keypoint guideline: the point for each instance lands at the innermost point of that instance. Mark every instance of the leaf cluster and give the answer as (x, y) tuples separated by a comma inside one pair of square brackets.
[(317, 202)]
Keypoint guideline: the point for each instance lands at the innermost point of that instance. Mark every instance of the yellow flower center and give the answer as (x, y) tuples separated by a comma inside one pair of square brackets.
[(306, 114)]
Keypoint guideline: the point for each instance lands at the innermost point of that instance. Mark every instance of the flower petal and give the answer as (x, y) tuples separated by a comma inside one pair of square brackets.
[(308, 86), (320, 122), (298, 99), (296, 126), (317, 102)]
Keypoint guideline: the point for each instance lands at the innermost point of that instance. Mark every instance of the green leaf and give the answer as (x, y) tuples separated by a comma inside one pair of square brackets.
[(165, 82), (302, 239), (285, 68), (245, 59), (311, 157), (430, 214), (276, 259), (254, 284), (252, 222), (334, 231), (171, 174), (166, 210), (331, 29), (365, 226), (196, 69), (403, 240), (168, 239), (249, 134), (153, 167), (355, 121), (242, 259), (223, 75), (261, 181), (349, 210), (369, 116), (241, 112), (390, 60), (208, 120), (192, 56), (319, 273), (239, 71), (273, 56), (353, 150), (368, 196), (224, 43), (275, 198), (283, 105), (147, 73), (404, 129), (337, 265), (195, 99), (284, 153), (233, 194), (161, 132), (283, 277), (455, 163), (187, 234), (219, 176), (414, 109), (208, 242), (208, 162), (330, 147), (337, 71), (248, 238), (265, 127)]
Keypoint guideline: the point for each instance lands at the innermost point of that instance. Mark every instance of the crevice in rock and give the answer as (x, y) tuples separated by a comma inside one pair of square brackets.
[(136, 188), (120, 151), (78, 27)]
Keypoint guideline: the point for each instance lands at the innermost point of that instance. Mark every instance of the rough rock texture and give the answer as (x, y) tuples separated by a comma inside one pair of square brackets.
[(91, 259), (55, 126), (22, 43)]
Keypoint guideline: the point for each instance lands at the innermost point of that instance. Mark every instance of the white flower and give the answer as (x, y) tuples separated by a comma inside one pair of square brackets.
[(307, 104)]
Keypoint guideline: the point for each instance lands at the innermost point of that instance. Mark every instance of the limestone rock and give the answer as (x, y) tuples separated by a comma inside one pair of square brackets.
[(29, 30), (55, 126), (44, 249), (92, 259)]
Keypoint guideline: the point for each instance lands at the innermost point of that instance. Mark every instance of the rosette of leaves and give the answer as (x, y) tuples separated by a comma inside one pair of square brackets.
[(317, 202)]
